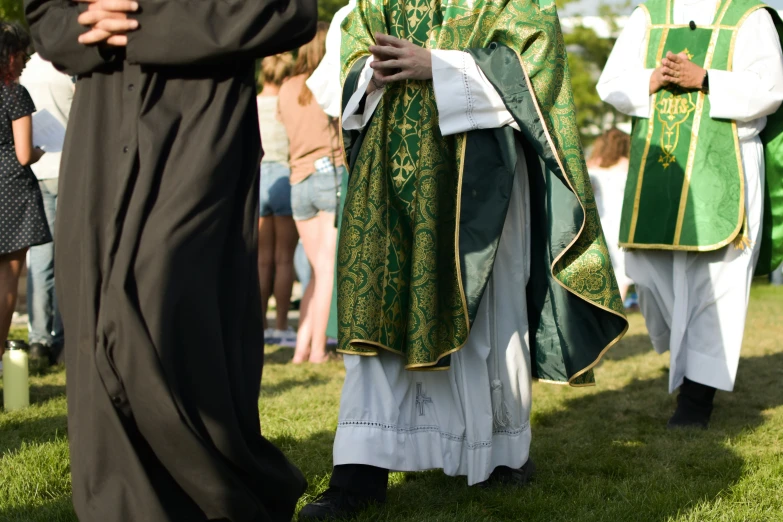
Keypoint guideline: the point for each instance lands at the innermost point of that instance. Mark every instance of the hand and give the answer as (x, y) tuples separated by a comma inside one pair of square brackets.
[(38, 152), (397, 60), (379, 79), (108, 22), (657, 82), (679, 70)]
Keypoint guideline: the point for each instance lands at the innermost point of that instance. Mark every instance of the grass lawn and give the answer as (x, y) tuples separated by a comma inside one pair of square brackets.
[(603, 453)]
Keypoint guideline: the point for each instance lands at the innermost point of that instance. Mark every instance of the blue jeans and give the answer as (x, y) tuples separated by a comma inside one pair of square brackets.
[(317, 193), (274, 190), (45, 324)]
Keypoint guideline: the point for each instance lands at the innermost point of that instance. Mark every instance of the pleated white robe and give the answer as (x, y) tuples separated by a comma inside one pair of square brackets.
[(410, 420), (695, 304)]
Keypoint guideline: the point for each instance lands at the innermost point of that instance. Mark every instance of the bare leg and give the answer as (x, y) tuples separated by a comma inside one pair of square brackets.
[(10, 269), (266, 257), (305, 330), (286, 239), (320, 240)]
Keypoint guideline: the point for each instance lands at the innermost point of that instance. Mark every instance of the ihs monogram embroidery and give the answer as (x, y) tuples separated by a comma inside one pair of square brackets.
[(673, 110)]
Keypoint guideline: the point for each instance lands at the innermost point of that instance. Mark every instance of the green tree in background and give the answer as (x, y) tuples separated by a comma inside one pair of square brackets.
[(12, 11), (587, 57), (327, 8)]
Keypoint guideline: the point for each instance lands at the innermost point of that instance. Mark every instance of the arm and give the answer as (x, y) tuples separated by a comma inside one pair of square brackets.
[(23, 141), (356, 115), (466, 99), (184, 32), (55, 31), (625, 83), (755, 88)]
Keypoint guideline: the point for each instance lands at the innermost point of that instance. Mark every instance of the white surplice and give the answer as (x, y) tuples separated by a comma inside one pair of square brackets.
[(695, 304), (412, 420)]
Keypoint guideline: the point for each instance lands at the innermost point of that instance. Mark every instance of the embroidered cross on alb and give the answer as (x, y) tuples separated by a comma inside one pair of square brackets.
[(421, 399)]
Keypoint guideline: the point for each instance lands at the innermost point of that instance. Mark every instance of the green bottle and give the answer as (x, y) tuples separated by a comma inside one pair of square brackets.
[(16, 388)]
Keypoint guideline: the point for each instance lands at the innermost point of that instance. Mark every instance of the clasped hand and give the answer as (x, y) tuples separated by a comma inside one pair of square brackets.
[(108, 22), (677, 69), (396, 60)]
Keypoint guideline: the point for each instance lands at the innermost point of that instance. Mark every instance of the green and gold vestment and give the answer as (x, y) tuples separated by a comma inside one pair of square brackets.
[(686, 183), (424, 212)]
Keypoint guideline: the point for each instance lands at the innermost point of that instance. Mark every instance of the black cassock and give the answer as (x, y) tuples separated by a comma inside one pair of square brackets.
[(156, 261)]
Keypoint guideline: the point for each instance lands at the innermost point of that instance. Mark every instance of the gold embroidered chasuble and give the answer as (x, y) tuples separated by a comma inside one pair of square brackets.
[(423, 212)]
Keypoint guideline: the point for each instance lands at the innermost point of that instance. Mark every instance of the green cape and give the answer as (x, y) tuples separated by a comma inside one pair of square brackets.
[(423, 212)]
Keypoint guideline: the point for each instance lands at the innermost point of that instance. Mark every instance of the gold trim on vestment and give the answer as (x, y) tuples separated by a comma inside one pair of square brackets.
[(551, 144), (650, 130), (649, 27), (686, 182)]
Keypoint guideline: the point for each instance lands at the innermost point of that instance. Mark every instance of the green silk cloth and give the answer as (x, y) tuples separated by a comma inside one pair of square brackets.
[(424, 212), (686, 183)]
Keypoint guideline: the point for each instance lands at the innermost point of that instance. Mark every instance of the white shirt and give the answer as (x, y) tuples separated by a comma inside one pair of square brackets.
[(324, 83), (53, 91), (753, 90)]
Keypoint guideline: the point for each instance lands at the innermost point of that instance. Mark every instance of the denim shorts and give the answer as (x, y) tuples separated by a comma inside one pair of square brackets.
[(317, 193), (274, 190)]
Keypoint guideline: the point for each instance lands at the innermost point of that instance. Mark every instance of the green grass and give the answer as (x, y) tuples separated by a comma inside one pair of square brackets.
[(603, 453)]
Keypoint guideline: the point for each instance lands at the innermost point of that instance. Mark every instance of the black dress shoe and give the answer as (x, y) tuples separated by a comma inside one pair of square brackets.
[(336, 504), (505, 476), (694, 406), (57, 354), (40, 351)]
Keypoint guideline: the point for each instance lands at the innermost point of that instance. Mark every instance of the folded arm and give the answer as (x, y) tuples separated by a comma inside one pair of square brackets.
[(184, 32), (465, 98), (56, 30)]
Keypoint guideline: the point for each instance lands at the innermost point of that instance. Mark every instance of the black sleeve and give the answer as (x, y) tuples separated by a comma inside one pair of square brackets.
[(18, 102), (184, 32), (55, 33)]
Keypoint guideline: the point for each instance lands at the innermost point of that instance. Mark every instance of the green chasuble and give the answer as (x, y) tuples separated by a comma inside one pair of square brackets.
[(424, 212), (686, 184)]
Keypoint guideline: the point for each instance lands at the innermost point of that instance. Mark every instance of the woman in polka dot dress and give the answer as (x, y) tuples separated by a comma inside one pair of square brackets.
[(22, 219)]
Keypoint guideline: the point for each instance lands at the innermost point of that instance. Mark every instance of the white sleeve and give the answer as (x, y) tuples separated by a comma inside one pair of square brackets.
[(624, 82), (324, 83), (353, 120), (466, 99), (755, 87)]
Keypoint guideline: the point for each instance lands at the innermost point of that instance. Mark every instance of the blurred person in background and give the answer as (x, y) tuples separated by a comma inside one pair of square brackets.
[(608, 169), (325, 85), (316, 172), (52, 91), (277, 235), (776, 277), (22, 217)]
